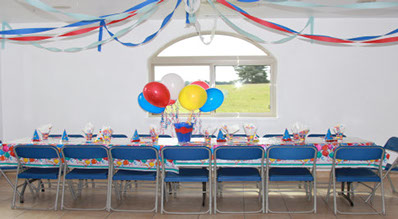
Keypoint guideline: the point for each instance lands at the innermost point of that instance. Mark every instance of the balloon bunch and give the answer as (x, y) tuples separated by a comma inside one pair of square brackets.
[(161, 97)]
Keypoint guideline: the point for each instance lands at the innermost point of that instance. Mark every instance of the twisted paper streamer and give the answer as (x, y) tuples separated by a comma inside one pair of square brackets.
[(321, 38)]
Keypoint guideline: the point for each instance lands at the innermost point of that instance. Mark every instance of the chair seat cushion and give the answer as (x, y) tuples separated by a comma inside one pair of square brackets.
[(39, 173), (290, 174), (393, 169), (230, 174), (87, 174), (188, 175), (134, 175), (356, 175)]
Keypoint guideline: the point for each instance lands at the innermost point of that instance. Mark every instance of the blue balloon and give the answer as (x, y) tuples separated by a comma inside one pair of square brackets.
[(215, 98), (145, 105)]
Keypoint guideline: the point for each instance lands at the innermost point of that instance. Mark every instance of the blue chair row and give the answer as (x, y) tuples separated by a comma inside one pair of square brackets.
[(114, 174)]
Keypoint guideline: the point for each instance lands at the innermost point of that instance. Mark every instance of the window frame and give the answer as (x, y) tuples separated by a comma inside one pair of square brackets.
[(212, 62)]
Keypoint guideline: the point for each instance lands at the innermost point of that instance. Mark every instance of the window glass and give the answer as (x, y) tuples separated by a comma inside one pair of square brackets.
[(246, 88)]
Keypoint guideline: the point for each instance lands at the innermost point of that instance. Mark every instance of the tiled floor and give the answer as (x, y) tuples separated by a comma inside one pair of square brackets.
[(191, 200)]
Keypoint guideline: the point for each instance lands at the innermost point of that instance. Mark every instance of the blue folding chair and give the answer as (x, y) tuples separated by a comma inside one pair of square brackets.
[(164, 136), (392, 144), (31, 174), (292, 174), (239, 135), (69, 135), (272, 135), (359, 174), (80, 173), (120, 173), (203, 175), (321, 135), (239, 174), (201, 136), (119, 136)]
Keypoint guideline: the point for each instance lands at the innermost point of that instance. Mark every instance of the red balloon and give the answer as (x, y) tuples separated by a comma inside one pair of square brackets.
[(156, 94), (202, 84)]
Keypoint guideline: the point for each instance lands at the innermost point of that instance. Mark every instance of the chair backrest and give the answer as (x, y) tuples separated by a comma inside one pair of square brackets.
[(36, 151), (392, 144), (144, 135), (54, 135), (292, 152), (134, 153), (164, 136), (321, 135), (75, 136), (359, 153), (239, 152), (85, 151), (119, 136), (186, 153), (272, 135), (239, 135), (202, 136)]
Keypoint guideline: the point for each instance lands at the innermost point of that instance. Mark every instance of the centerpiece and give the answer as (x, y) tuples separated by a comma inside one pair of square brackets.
[(166, 96)]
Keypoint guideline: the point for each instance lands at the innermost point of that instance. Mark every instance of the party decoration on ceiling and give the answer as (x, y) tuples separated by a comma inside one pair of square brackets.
[(144, 10)]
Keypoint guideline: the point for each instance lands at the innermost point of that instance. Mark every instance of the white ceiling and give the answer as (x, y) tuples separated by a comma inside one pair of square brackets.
[(17, 11)]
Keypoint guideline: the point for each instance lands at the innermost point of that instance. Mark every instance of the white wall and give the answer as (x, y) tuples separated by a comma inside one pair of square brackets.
[(319, 85), (1, 105)]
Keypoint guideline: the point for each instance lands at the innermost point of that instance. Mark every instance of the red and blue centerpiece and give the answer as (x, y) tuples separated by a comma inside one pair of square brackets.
[(183, 131)]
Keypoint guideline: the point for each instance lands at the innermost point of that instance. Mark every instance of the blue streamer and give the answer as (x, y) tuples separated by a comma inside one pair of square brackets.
[(102, 24), (149, 38), (24, 31)]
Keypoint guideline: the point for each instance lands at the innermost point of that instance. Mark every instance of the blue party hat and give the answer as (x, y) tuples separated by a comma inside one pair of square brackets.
[(286, 135), (328, 135), (220, 135), (136, 137), (36, 136), (65, 136)]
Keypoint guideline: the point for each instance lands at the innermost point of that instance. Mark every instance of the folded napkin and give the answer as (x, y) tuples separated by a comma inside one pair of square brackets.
[(328, 136), (286, 136), (36, 136), (45, 128), (250, 129), (136, 137), (65, 136), (88, 128)]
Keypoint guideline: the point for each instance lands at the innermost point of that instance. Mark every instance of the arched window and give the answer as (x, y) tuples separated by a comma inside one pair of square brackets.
[(243, 70)]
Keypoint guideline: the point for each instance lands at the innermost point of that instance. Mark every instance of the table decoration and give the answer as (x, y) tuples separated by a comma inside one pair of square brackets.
[(36, 136), (339, 131), (45, 131), (104, 135), (64, 136), (88, 131), (221, 137), (329, 136), (208, 132), (154, 135), (250, 131), (300, 132), (229, 131), (136, 137), (286, 136)]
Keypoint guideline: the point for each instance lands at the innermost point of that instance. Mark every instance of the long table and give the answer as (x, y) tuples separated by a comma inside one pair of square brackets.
[(324, 156)]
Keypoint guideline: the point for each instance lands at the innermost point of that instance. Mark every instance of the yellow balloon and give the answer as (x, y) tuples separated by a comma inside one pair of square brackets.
[(192, 97)]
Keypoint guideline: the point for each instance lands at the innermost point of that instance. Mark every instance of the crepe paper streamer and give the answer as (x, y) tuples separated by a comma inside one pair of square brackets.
[(65, 136), (328, 135), (130, 11), (321, 38), (290, 3), (36, 136), (286, 135), (102, 24), (150, 37), (39, 4), (147, 10)]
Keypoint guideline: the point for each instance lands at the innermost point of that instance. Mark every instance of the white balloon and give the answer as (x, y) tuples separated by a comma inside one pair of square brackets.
[(174, 83)]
